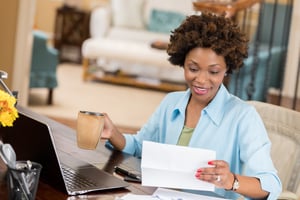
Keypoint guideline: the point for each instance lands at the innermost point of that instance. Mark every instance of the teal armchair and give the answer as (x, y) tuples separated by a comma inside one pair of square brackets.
[(44, 62)]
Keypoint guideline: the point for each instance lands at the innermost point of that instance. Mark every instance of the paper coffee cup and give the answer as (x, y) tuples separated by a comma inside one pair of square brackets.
[(89, 129)]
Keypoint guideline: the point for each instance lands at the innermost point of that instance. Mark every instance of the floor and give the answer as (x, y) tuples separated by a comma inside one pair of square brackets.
[(126, 106)]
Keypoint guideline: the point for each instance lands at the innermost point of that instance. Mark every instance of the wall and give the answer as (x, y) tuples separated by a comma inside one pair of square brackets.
[(15, 44), (44, 17), (8, 23), (292, 57), (46, 11)]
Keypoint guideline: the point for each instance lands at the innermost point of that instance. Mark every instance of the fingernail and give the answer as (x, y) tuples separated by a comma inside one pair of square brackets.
[(198, 173), (210, 162)]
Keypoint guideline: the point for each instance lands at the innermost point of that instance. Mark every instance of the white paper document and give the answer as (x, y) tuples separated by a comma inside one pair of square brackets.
[(173, 166), (168, 194), (136, 197)]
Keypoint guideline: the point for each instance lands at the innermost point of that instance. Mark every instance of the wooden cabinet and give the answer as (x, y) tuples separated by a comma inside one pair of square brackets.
[(71, 29)]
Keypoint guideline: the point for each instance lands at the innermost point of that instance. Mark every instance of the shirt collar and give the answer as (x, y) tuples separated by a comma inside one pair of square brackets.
[(181, 104), (216, 108)]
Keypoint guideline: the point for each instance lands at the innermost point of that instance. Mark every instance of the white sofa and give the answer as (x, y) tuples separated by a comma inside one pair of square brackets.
[(121, 37)]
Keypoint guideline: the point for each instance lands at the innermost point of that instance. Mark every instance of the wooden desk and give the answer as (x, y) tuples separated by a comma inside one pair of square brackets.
[(65, 140)]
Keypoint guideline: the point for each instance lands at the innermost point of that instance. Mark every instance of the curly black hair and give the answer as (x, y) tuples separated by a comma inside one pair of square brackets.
[(212, 31)]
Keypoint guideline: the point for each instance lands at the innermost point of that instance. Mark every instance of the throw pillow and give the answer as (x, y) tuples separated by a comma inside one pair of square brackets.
[(164, 21), (127, 13)]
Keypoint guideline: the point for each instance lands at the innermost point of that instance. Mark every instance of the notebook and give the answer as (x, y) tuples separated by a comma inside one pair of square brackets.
[(32, 139)]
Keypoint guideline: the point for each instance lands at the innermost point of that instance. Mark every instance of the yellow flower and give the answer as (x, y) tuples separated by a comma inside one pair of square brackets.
[(8, 111)]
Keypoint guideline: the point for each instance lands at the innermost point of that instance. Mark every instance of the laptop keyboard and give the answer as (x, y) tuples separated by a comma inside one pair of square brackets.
[(75, 180)]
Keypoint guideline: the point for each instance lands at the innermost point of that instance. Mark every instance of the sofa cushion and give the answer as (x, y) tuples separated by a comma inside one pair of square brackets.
[(136, 35), (180, 6), (127, 13), (164, 21), (128, 51), (100, 14)]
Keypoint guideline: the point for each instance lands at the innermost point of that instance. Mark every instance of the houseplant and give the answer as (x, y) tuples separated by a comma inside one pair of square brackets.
[(8, 114), (8, 111)]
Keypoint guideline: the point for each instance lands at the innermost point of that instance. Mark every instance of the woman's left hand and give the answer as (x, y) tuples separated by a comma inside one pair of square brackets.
[(219, 174)]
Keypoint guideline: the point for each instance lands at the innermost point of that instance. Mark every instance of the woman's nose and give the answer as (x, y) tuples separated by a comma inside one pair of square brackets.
[(202, 77)]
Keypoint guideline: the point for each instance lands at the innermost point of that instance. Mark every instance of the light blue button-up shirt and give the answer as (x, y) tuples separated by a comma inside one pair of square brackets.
[(227, 125)]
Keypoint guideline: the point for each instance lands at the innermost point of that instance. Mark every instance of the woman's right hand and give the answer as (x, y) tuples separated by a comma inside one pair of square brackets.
[(111, 132), (109, 128)]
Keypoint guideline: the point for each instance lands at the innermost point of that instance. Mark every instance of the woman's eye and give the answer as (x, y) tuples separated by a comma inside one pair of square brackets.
[(193, 69), (214, 72)]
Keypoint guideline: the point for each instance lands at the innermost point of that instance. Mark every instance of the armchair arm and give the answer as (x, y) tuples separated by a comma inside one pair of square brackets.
[(287, 195), (100, 21), (52, 50), (44, 56), (52, 58)]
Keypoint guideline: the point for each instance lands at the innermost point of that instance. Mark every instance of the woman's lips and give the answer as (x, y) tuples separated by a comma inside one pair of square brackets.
[(200, 90)]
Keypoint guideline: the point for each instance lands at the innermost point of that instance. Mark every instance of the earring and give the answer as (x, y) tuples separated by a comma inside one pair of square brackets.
[(225, 74)]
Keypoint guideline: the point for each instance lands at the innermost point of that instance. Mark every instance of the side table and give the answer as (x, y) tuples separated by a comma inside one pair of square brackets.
[(71, 29)]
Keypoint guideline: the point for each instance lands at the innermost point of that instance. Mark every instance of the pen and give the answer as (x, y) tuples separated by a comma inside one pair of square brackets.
[(124, 172)]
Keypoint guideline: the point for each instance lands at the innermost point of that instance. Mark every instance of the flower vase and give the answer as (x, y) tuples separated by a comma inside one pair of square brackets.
[(8, 114), (3, 170)]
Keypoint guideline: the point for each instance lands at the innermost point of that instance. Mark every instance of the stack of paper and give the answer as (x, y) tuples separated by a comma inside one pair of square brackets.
[(168, 194)]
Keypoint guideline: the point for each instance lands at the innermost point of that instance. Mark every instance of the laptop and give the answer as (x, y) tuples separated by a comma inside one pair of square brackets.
[(33, 139)]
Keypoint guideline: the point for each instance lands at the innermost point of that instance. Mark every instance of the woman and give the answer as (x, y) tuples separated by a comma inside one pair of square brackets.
[(209, 47)]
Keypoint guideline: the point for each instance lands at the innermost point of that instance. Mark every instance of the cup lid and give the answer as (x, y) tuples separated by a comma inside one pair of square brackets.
[(91, 113)]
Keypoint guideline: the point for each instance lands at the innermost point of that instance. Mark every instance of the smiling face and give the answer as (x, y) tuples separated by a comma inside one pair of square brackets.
[(204, 72)]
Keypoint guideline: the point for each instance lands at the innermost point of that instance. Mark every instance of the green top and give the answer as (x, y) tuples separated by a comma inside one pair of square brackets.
[(185, 136)]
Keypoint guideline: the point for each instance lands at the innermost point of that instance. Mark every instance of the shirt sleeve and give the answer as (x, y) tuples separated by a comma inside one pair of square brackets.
[(148, 132), (255, 147)]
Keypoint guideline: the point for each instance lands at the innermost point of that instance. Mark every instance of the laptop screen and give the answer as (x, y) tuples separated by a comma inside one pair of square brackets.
[(31, 141), (40, 139)]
